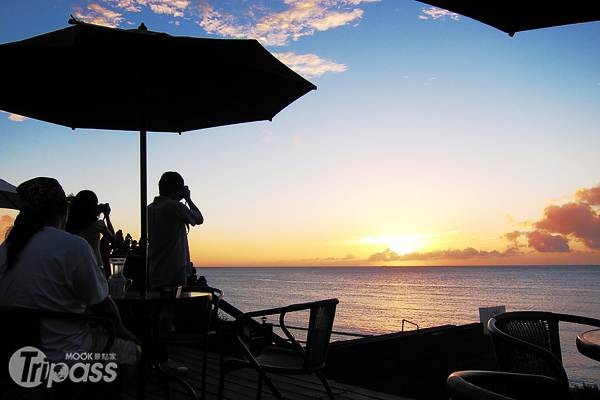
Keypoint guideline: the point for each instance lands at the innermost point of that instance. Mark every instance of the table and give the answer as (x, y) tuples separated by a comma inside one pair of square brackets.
[(588, 344), (143, 317)]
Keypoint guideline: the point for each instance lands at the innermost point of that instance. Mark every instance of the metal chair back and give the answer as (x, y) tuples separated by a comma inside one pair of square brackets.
[(528, 342), (320, 326)]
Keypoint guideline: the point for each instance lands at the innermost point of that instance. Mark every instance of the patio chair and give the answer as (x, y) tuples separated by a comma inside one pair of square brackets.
[(528, 342), (21, 328), (288, 357), (488, 385), (197, 320)]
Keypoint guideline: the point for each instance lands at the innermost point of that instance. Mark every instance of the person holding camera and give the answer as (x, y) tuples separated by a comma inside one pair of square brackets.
[(84, 221), (168, 250)]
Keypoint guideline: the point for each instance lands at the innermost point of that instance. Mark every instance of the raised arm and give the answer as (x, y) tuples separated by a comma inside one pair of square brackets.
[(187, 195)]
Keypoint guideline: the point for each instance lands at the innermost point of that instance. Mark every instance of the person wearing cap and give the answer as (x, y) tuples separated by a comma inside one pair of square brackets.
[(44, 267), (168, 250)]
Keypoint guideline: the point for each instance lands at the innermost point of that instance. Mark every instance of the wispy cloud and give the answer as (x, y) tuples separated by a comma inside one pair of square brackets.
[(272, 23), (267, 136), (309, 65), (278, 27), (14, 117), (275, 23), (438, 13), (98, 15), (176, 8), (349, 257), (523, 224), (449, 254)]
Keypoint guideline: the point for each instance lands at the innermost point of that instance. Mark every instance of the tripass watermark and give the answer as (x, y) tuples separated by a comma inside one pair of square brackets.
[(28, 368)]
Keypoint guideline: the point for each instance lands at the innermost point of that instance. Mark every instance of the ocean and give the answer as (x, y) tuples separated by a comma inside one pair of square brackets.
[(376, 300)]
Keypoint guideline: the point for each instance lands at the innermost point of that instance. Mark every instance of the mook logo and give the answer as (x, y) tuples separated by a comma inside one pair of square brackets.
[(28, 368)]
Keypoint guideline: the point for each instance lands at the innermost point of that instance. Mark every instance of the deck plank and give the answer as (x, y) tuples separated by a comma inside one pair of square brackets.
[(240, 385)]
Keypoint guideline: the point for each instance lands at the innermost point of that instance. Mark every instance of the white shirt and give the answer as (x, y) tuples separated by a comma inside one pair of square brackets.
[(54, 271), (168, 250)]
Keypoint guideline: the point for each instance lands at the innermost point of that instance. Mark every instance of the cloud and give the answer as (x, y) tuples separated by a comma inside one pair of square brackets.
[(268, 136), (347, 258), (107, 16), (547, 243), (578, 221), (175, 8), (272, 23), (449, 254), (524, 224), (98, 15), (127, 5), (591, 196), (512, 236), (279, 27), (514, 247), (16, 117), (309, 65), (6, 221), (437, 13)]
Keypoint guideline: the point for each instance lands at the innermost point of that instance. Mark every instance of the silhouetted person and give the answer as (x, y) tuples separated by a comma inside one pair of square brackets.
[(84, 221), (168, 250), (44, 267)]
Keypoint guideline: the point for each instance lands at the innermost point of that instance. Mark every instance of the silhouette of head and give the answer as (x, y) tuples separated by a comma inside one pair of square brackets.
[(44, 195), (170, 183), (84, 210)]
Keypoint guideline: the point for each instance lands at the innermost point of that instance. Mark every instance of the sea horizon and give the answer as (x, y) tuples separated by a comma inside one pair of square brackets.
[(375, 300), (398, 266)]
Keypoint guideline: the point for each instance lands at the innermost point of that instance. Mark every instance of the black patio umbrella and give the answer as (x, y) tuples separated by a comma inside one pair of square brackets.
[(88, 76), (513, 16), (8, 196)]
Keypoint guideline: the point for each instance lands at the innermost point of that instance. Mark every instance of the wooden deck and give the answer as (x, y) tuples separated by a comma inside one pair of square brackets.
[(239, 385)]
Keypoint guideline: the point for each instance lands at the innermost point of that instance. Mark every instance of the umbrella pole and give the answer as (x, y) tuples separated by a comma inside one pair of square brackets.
[(144, 212), (141, 376)]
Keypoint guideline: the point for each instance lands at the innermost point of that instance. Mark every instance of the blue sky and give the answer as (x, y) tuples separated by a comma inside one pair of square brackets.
[(431, 137)]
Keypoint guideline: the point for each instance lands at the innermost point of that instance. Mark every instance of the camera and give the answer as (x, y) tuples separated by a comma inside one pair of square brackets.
[(102, 208), (183, 190)]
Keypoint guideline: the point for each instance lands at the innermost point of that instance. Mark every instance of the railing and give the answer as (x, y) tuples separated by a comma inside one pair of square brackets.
[(234, 312), (332, 332), (412, 323)]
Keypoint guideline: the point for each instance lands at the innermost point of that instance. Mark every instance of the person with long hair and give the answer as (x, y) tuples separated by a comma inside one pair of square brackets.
[(84, 220), (44, 267)]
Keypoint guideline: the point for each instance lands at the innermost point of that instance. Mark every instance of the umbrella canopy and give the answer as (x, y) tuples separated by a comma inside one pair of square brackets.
[(513, 16), (88, 76), (8, 196)]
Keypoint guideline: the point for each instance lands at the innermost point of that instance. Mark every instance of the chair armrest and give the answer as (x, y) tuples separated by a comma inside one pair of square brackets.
[(576, 319), (290, 308), (542, 383), (39, 313)]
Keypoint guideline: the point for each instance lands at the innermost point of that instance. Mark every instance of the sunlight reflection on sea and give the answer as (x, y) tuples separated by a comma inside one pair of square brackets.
[(375, 300)]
